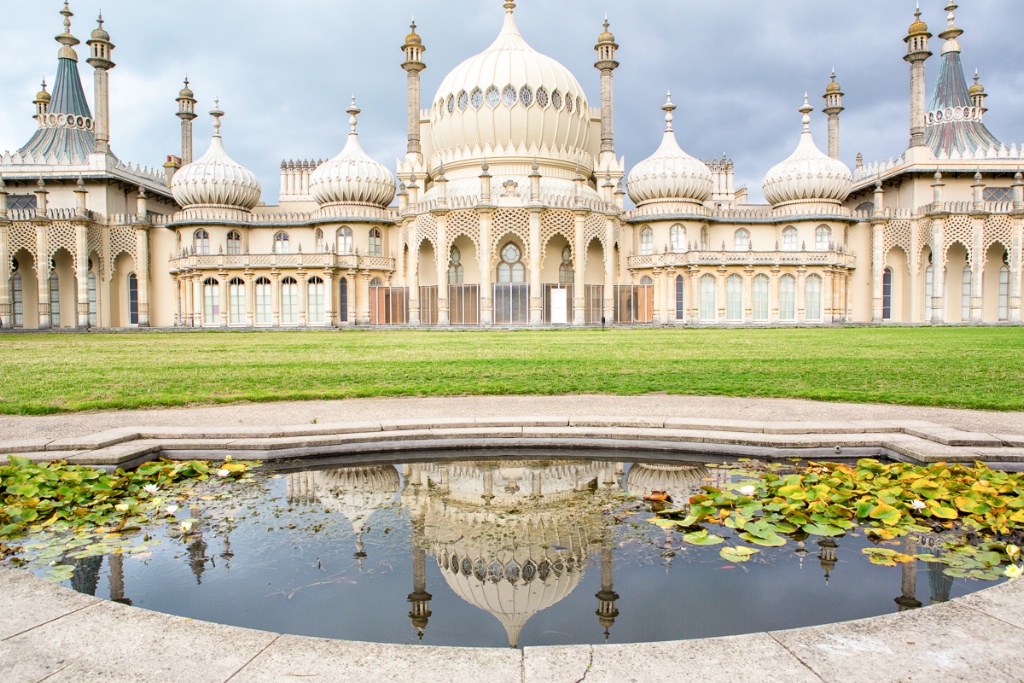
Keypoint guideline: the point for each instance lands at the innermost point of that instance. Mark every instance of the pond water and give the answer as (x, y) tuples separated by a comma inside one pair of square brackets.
[(525, 549)]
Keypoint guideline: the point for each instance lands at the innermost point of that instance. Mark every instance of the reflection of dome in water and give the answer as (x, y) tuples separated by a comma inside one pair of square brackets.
[(502, 547), (678, 481), (355, 492)]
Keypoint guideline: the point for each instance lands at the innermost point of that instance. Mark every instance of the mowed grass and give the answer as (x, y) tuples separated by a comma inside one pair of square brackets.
[(952, 367)]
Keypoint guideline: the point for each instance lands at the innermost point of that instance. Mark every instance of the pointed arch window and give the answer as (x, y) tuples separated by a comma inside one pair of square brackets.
[(812, 303), (761, 283), (822, 238), (234, 243), (742, 240), (289, 301), (511, 268), (734, 298), (708, 305), (787, 299), (646, 241), (566, 275), (315, 301), (789, 239), (456, 272), (677, 235), (509, 96), (236, 301), (264, 302), (200, 242), (680, 297), (211, 301), (1004, 292), (493, 97), (887, 294), (343, 300), (375, 244), (282, 243), (133, 299), (54, 284), (344, 240)]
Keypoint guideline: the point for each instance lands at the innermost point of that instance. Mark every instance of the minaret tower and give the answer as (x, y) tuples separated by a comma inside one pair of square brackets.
[(833, 108), (100, 60), (978, 95), (606, 48), (187, 114), (42, 101), (917, 54), (413, 66)]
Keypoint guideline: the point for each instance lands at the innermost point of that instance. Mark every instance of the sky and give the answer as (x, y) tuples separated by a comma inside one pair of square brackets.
[(284, 70)]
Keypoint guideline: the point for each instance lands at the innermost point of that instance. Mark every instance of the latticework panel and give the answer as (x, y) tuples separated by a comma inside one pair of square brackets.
[(925, 237), (95, 242), (896, 234), (958, 229), (463, 224), (998, 229), (426, 229), (21, 236), (122, 241), (62, 236), (557, 222), (515, 222)]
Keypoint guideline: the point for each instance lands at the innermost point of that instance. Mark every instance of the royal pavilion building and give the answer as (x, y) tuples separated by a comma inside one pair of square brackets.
[(511, 207)]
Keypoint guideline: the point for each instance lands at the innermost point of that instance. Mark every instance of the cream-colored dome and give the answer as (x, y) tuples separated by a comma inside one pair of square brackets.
[(352, 177), (510, 96), (215, 180), (670, 174), (808, 174)]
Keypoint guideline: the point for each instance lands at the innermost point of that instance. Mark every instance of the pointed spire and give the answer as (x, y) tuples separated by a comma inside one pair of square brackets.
[(668, 108)]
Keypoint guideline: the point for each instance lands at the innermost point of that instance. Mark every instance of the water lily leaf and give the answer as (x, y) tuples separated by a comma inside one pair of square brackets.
[(886, 514), (943, 512), (770, 540), (702, 538), (822, 530), (737, 553)]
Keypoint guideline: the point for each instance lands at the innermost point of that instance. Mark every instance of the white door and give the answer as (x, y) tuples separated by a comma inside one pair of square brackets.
[(559, 307)]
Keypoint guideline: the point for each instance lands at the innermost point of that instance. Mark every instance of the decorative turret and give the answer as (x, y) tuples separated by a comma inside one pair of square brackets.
[(978, 94), (42, 100), (65, 38), (606, 48), (808, 175), (100, 61), (413, 65), (833, 108), (917, 54), (187, 113), (951, 33)]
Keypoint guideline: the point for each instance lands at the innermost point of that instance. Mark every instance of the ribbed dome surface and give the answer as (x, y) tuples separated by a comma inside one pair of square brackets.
[(216, 180), (509, 93), (808, 174), (670, 173), (352, 177)]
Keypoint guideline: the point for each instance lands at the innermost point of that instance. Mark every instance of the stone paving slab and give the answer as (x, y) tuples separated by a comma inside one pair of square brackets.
[(110, 437), (21, 590), (294, 658)]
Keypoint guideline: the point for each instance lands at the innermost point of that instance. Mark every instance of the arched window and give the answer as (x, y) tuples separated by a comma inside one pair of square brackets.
[(54, 284), (812, 303), (201, 242), (742, 240), (1004, 292), (761, 284), (680, 297), (887, 294), (289, 301), (822, 238), (789, 239), (315, 301), (929, 290), (565, 271), (646, 281), (343, 300), (704, 237), (376, 283), (234, 243), (375, 243), (281, 243), (965, 295), (319, 236), (678, 237), (511, 269), (236, 301), (18, 300), (866, 206), (787, 298), (708, 306), (345, 241), (646, 241), (133, 299), (93, 308), (734, 298), (211, 302), (456, 273), (264, 302)]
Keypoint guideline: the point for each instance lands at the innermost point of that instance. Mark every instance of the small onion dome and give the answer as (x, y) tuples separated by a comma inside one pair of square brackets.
[(352, 176), (216, 180), (42, 95), (670, 173), (413, 38), (833, 88), (607, 36), (808, 174), (99, 34), (977, 88), (186, 92), (918, 27)]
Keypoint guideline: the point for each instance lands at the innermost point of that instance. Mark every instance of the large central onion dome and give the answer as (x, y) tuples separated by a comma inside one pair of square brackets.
[(670, 174), (808, 174), (216, 181), (352, 177), (509, 95)]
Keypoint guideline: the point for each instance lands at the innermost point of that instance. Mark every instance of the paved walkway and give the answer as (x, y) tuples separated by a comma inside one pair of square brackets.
[(362, 410)]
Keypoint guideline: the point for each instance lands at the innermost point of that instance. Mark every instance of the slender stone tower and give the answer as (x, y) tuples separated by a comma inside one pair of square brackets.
[(101, 49), (413, 66), (833, 108), (606, 48), (917, 55), (187, 114)]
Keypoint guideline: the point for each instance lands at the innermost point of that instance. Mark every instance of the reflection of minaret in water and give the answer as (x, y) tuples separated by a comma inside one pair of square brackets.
[(827, 556), (197, 547), (87, 574), (908, 599), (419, 598), (606, 610), (115, 563), (939, 583)]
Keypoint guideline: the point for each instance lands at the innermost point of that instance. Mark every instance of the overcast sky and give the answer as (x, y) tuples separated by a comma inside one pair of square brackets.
[(284, 70)]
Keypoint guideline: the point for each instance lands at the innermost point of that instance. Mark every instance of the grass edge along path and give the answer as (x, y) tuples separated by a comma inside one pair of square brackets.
[(979, 368)]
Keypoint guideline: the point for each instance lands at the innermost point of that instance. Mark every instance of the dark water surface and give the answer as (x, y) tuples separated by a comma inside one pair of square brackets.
[(489, 552)]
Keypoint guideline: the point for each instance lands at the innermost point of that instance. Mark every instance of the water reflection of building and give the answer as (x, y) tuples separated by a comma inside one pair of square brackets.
[(679, 481)]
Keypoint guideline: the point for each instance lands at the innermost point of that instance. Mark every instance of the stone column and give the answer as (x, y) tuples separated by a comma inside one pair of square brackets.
[(363, 298), (579, 265), (250, 299), (222, 280), (82, 273), (6, 307), (198, 309), (695, 295), (303, 298), (43, 272), (353, 276), (828, 303), (658, 293), (748, 295), (328, 299), (916, 300), (977, 270), (609, 271), (413, 279), (801, 295), (536, 295), (142, 272), (773, 296), (720, 292), (670, 304), (1015, 268), (877, 270), (486, 257), (441, 254), (275, 297), (938, 271)]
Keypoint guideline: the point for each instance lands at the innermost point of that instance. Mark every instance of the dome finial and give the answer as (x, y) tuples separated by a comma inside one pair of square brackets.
[(353, 112), (216, 113), (806, 111), (510, 7), (951, 33), (668, 108)]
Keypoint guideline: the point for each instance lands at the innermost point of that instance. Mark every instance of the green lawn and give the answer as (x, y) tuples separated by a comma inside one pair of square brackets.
[(953, 367)]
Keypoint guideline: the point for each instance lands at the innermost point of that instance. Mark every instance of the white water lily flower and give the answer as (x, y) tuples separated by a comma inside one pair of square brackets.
[(186, 526), (1013, 572), (227, 458), (151, 489), (1012, 551), (171, 509), (918, 505), (748, 490), (223, 473), (122, 507)]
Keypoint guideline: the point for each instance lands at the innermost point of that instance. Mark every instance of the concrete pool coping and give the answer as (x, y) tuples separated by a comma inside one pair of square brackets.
[(51, 633)]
